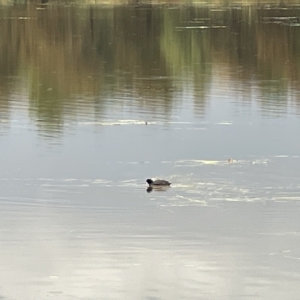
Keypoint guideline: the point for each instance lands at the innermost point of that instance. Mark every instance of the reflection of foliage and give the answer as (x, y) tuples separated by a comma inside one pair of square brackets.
[(184, 47), (148, 52), (45, 101), (187, 50)]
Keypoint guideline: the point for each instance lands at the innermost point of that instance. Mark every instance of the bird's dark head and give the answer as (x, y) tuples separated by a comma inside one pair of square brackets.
[(149, 181)]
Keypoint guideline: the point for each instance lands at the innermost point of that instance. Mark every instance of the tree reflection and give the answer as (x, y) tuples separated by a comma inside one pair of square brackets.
[(82, 61)]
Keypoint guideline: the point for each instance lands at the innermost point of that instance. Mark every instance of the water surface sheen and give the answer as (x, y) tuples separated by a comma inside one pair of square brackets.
[(94, 100)]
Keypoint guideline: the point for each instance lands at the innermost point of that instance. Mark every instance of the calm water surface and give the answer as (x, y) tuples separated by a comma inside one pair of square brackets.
[(94, 100)]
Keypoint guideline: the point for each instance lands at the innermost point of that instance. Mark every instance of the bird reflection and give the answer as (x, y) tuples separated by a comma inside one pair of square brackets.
[(157, 189)]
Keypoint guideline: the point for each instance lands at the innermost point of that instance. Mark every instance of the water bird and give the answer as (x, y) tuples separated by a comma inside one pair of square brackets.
[(158, 183)]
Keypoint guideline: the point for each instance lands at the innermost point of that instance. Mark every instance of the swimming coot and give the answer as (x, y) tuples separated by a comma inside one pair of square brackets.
[(158, 182)]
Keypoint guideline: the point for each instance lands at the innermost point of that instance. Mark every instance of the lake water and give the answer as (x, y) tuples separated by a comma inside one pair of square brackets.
[(96, 99)]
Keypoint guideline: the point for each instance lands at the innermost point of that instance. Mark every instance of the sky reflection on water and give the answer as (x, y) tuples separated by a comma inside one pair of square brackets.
[(234, 251)]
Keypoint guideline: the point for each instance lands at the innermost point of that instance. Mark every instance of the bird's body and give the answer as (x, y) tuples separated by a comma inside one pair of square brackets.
[(158, 182)]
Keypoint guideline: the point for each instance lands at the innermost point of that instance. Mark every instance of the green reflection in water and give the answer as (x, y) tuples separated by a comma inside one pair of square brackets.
[(81, 61)]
